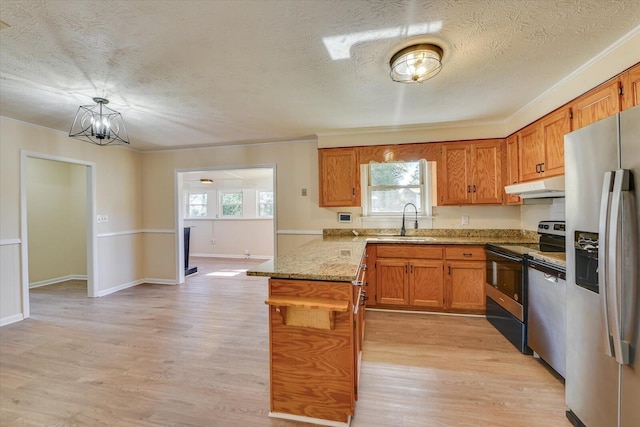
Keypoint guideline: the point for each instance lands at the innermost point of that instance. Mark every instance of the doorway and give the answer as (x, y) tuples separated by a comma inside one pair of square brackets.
[(57, 227), (226, 212)]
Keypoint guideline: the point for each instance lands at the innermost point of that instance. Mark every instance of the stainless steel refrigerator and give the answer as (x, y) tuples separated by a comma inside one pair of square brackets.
[(602, 174)]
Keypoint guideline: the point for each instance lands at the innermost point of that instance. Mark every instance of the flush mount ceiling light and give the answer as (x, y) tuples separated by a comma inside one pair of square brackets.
[(206, 180), (99, 124), (416, 63)]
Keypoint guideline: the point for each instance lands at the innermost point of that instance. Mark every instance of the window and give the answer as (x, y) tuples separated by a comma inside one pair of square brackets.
[(390, 186), (265, 204), (231, 203), (196, 205)]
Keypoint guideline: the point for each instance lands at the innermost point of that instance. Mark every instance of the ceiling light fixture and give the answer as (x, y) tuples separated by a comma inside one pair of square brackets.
[(416, 63), (206, 180), (99, 124)]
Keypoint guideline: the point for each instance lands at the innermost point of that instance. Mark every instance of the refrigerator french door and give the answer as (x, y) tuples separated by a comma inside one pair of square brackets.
[(602, 174)]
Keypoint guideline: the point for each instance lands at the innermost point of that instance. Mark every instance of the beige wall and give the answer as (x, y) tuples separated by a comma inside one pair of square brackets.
[(118, 176), (56, 217)]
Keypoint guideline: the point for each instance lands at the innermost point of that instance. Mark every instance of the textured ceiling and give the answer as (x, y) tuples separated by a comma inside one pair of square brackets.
[(190, 73)]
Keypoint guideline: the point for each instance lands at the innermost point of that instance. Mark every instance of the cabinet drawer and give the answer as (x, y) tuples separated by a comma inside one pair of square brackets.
[(463, 252), (410, 251)]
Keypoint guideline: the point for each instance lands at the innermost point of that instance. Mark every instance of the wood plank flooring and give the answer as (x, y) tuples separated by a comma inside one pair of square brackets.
[(197, 355)]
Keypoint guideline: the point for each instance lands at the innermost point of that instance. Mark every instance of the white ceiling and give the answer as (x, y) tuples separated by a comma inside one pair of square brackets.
[(196, 73), (259, 178)]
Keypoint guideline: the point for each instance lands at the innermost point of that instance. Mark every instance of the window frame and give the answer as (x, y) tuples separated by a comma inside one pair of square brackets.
[(258, 192), (222, 204), (426, 208), (205, 205)]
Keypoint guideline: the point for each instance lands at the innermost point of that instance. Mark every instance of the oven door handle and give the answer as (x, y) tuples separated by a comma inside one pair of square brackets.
[(502, 255)]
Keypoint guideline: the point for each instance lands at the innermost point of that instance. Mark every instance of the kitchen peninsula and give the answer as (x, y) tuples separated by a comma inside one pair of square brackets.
[(316, 307)]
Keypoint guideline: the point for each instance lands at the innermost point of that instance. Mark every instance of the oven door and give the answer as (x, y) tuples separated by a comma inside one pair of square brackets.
[(505, 281)]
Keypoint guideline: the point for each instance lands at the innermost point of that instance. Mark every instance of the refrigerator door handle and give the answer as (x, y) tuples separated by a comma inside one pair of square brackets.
[(617, 274), (603, 253)]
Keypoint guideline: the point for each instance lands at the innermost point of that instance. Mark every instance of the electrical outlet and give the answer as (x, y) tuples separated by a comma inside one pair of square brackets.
[(465, 219), (304, 191), (102, 218), (213, 242)]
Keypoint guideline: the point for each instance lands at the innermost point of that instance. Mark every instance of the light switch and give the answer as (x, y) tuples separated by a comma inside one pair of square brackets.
[(465, 219), (304, 191)]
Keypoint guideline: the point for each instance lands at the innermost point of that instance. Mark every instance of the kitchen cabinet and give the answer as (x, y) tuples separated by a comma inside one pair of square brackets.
[(471, 173), (311, 352), (449, 278), (597, 104), (465, 277), (409, 275), (542, 146), (630, 81), (339, 180), (513, 168)]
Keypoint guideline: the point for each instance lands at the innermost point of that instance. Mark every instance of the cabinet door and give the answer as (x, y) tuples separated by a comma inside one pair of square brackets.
[(553, 128), (601, 102), (465, 285), (392, 281), (426, 283), (531, 153), (512, 168), (455, 174), (339, 179), (486, 184), (631, 88)]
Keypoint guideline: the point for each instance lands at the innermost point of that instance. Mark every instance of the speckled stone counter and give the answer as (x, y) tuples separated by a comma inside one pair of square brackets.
[(556, 258), (334, 260), (336, 257)]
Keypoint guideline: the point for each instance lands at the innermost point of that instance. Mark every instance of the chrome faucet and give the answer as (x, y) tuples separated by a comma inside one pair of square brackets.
[(403, 231)]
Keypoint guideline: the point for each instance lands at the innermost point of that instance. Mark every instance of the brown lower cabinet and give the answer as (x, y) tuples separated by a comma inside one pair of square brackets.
[(429, 277), (316, 330)]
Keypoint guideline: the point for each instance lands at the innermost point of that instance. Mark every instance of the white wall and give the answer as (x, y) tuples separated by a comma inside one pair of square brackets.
[(56, 217), (530, 215), (231, 237)]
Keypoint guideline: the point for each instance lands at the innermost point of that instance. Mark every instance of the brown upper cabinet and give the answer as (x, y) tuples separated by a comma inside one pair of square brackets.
[(631, 87), (597, 104), (339, 179), (471, 173), (541, 146), (513, 168)]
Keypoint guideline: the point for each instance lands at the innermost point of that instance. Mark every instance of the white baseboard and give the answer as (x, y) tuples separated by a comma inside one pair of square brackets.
[(265, 257), (57, 280), (135, 283), (310, 420), (11, 319)]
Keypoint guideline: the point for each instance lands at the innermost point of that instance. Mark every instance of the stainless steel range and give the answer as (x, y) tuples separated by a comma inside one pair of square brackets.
[(506, 285)]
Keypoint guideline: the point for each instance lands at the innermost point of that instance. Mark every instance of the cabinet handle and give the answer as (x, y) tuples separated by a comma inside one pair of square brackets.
[(353, 191), (538, 168), (466, 254), (468, 189), (406, 269), (542, 167), (411, 268), (449, 267), (474, 188)]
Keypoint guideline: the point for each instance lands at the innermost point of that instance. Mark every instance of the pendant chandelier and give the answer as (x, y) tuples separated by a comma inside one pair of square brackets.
[(99, 124), (416, 63)]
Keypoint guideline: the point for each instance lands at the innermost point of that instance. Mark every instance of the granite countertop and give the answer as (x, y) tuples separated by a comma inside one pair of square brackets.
[(335, 260), (557, 258), (337, 256)]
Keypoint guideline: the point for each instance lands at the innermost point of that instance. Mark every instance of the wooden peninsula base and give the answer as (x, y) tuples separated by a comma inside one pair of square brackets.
[(315, 332)]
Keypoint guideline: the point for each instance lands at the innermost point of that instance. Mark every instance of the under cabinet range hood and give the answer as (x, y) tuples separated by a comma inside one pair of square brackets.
[(543, 188)]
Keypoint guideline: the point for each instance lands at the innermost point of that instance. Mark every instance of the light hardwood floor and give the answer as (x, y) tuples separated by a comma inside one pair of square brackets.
[(197, 355)]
